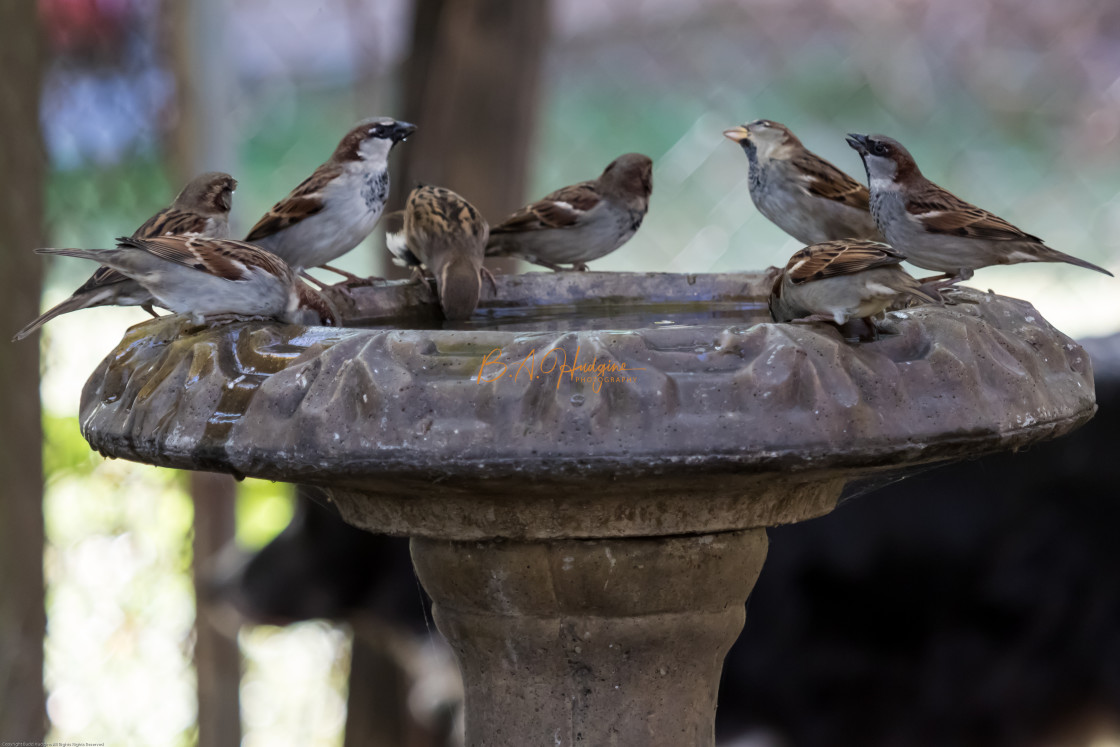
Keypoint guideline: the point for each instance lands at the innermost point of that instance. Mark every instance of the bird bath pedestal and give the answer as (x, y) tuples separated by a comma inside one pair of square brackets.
[(587, 474)]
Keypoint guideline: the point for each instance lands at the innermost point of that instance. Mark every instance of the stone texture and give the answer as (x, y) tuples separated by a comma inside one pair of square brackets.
[(596, 642), (588, 544), (399, 410)]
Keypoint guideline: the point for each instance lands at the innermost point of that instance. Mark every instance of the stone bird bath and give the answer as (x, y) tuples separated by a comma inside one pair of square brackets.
[(587, 470)]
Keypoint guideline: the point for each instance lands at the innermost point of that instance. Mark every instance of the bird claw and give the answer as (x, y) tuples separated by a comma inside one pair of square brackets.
[(356, 282), (484, 272), (221, 320), (351, 278)]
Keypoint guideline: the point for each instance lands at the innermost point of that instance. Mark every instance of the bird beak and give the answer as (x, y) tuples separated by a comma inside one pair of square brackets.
[(858, 142), (401, 131), (737, 134)]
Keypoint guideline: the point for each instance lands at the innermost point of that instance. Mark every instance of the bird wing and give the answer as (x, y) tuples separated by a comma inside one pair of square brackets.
[(167, 222), (396, 241), (561, 209), (843, 257), (223, 258), (172, 221), (821, 178), (103, 276), (302, 202), (939, 211)]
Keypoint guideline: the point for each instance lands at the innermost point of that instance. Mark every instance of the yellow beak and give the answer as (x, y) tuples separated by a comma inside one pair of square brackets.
[(737, 134)]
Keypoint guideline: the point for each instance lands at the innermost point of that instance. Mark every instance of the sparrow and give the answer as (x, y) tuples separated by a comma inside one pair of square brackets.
[(577, 224), (201, 209), (331, 211), (934, 228), (800, 192), (442, 233), (840, 280), (206, 278)]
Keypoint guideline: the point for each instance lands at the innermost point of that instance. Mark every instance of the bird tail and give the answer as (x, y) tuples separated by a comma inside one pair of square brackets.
[(97, 255), (74, 303), (1057, 256), (460, 285)]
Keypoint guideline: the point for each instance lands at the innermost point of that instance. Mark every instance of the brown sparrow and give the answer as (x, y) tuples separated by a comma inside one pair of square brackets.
[(201, 209), (836, 281), (577, 224), (445, 235), (800, 192), (204, 277), (935, 229), (332, 210)]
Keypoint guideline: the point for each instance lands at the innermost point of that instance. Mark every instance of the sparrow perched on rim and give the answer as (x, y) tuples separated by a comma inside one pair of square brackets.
[(204, 277), (444, 234), (935, 229), (201, 209), (331, 211), (800, 192), (840, 280), (577, 224)]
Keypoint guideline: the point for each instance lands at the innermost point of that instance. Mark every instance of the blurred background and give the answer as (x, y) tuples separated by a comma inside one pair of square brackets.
[(108, 106)]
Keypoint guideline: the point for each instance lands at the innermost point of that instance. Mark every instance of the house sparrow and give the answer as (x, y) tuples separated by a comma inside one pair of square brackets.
[(444, 234), (332, 210), (582, 222), (840, 280), (935, 229), (800, 192), (205, 277), (201, 209)]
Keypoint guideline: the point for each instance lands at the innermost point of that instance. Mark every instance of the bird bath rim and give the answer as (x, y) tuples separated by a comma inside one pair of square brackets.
[(405, 409)]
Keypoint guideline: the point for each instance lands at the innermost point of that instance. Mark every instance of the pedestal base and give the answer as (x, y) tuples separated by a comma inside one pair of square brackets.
[(591, 642)]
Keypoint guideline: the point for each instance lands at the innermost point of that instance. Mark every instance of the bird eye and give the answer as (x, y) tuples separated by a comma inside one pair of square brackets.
[(880, 149)]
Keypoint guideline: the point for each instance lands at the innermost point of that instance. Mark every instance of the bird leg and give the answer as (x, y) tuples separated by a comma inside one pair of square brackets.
[(872, 332), (350, 277), (940, 284), (148, 308), (220, 320), (545, 263), (490, 279), (580, 266), (311, 279), (814, 318)]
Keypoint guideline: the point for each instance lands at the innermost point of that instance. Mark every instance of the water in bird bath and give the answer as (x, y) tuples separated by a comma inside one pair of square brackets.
[(589, 317)]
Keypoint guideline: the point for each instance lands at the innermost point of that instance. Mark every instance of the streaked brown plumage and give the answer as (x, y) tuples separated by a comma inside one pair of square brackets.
[(201, 209), (800, 192), (334, 209), (204, 277), (581, 222), (841, 280), (934, 228), (439, 231)]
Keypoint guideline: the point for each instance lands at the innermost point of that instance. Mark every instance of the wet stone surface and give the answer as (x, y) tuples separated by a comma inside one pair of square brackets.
[(356, 406)]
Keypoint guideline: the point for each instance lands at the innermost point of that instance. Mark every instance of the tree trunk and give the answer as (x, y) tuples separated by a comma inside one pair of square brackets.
[(202, 140), (471, 83), (22, 163), (217, 658)]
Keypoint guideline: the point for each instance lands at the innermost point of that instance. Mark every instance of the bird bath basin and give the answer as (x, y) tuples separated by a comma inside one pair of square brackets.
[(587, 468)]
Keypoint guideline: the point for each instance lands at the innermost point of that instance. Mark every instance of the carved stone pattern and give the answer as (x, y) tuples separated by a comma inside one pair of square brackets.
[(354, 407)]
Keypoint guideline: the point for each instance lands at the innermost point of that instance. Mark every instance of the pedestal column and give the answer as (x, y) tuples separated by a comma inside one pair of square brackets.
[(591, 642)]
